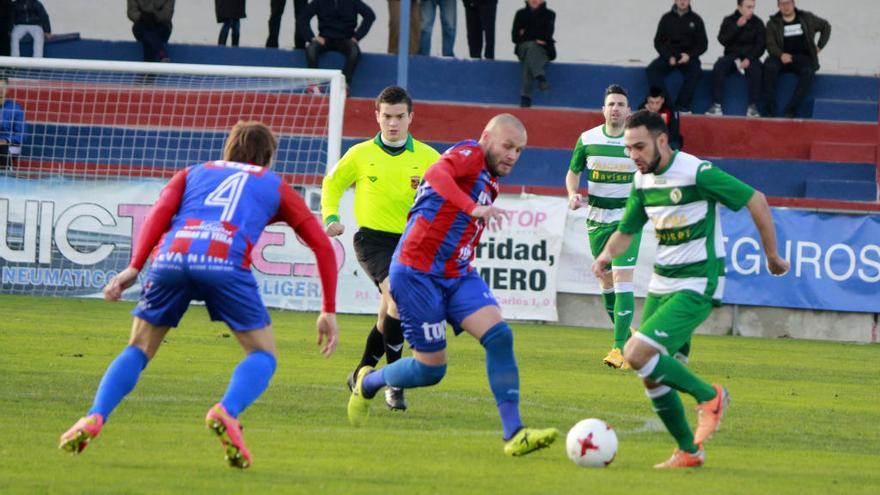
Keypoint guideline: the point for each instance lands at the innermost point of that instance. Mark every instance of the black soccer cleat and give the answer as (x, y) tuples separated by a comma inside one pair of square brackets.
[(394, 399)]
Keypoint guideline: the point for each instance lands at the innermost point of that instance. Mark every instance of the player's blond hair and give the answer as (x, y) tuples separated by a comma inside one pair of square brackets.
[(250, 142)]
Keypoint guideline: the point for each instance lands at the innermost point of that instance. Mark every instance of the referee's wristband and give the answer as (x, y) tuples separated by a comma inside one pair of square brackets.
[(330, 219)]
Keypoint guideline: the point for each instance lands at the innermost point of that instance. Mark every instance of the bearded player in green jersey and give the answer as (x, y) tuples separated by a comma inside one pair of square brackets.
[(681, 195), (386, 171), (600, 152)]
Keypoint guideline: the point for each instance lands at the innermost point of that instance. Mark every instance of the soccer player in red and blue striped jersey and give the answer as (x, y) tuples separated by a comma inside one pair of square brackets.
[(433, 281), (201, 232)]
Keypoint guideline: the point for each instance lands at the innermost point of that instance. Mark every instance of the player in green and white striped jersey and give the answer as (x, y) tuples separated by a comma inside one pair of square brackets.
[(681, 195), (600, 152)]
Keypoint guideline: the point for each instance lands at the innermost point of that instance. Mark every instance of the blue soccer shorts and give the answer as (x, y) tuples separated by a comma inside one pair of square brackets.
[(427, 302), (231, 296)]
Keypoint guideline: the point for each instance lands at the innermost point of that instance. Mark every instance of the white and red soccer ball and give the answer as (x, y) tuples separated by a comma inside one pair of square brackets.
[(591, 443)]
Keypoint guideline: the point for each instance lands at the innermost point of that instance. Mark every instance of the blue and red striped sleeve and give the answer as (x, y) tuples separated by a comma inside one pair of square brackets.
[(159, 219), (449, 170), (293, 211)]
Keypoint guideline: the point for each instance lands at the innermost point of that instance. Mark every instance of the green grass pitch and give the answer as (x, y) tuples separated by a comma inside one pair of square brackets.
[(805, 416)]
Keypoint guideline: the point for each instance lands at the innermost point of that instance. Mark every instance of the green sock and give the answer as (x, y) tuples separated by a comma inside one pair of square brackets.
[(624, 306), (671, 411), (669, 371), (608, 298)]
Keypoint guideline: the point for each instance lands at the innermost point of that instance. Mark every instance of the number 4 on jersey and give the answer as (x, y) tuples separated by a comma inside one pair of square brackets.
[(227, 195)]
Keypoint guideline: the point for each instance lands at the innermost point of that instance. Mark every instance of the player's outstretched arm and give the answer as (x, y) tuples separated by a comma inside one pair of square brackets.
[(763, 219), (328, 333), (123, 280)]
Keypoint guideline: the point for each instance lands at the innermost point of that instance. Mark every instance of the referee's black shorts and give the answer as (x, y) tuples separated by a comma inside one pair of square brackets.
[(374, 249)]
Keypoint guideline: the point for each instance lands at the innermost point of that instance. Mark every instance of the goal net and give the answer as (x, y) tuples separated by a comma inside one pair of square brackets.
[(89, 145)]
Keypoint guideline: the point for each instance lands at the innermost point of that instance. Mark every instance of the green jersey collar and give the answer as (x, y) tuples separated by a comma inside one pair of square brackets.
[(608, 135), (409, 146), (668, 165)]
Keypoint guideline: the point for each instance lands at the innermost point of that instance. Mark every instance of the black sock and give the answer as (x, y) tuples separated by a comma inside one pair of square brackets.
[(393, 339), (373, 350)]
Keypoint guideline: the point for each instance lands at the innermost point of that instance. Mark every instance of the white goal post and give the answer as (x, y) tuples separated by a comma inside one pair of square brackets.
[(90, 144)]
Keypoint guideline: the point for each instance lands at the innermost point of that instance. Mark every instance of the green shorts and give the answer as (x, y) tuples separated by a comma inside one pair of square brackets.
[(669, 320), (599, 235)]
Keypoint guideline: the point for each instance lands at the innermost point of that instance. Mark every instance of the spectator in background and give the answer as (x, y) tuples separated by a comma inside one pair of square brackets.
[(230, 13), (152, 26), (275, 13), (792, 47), (680, 40), (532, 35), (656, 102), (742, 35), (29, 17), (5, 26), (447, 22), (337, 30), (479, 17), (415, 26), (12, 128)]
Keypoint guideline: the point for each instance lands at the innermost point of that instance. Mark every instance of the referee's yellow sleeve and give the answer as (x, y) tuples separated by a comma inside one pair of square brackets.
[(334, 185)]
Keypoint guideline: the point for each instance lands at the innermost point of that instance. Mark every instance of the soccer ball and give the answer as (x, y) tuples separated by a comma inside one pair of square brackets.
[(591, 443)]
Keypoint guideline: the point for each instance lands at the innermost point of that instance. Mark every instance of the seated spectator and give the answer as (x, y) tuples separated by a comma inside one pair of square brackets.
[(742, 35), (447, 25), (415, 26), (337, 20), (12, 128), (791, 47), (276, 10), (29, 17), (533, 37), (152, 26), (479, 16), (230, 13), (680, 40), (656, 102)]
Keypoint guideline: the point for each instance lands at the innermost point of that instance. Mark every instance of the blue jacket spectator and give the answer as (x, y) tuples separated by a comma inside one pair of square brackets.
[(338, 30), (12, 127)]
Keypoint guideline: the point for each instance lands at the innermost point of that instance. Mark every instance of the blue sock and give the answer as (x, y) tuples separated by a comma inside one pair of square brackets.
[(119, 379), (403, 373), (503, 376), (249, 380)]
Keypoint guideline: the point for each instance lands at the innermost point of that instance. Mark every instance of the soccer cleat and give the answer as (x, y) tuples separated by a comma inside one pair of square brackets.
[(394, 399), (349, 380), (709, 414), (228, 430), (77, 438), (614, 359), (358, 404), (682, 459), (529, 440)]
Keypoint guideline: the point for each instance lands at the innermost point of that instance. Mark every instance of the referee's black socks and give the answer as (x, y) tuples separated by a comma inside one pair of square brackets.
[(373, 351), (393, 339)]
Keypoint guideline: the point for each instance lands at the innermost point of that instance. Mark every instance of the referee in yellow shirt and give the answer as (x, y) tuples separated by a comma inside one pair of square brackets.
[(386, 171)]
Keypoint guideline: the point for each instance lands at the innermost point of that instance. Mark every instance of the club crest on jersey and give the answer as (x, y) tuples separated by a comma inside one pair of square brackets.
[(675, 195), (414, 181)]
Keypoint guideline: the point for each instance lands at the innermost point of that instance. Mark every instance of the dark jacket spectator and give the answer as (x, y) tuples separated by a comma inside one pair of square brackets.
[(532, 35), (229, 9), (792, 47), (742, 35), (535, 24), (656, 102), (811, 25), (338, 30), (337, 19), (748, 41), (677, 34), (151, 26), (680, 40), (31, 12)]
